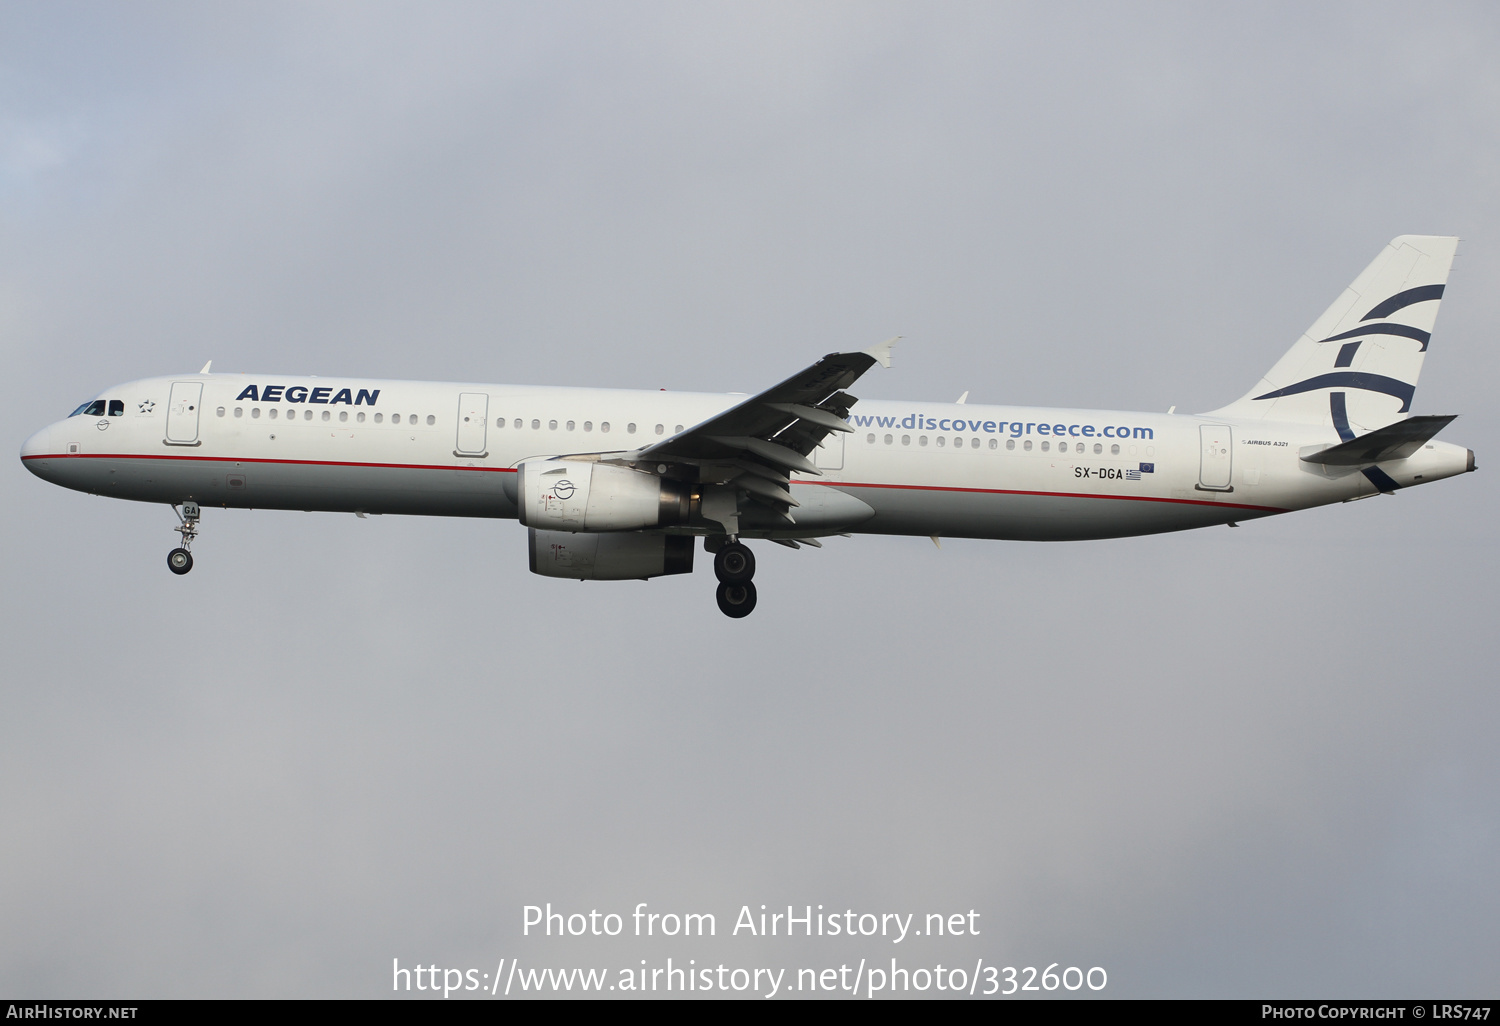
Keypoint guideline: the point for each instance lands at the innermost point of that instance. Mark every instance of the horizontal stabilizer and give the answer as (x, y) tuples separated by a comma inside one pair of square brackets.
[(1392, 442)]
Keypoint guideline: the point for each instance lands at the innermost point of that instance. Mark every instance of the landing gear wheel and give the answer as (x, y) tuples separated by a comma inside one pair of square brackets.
[(735, 564), (180, 560), (736, 600)]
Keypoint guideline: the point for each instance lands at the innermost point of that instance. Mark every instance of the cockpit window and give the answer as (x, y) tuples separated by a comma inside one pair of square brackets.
[(117, 407), (93, 409)]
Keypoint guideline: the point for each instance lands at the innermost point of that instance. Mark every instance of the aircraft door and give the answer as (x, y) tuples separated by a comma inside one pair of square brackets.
[(182, 412), (473, 415), (830, 455), (1216, 459)]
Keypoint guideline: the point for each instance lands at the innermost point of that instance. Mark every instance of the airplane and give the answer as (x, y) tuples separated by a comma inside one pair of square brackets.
[(615, 484)]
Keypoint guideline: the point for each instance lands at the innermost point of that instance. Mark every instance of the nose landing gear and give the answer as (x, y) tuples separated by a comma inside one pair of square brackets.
[(180, 560), (734, 565)]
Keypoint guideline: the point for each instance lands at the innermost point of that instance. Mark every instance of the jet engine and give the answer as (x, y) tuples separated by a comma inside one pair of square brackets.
[(620, 556), (577, 495)]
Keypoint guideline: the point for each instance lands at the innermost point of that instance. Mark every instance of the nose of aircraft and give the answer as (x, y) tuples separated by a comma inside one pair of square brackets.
[(39, 444)]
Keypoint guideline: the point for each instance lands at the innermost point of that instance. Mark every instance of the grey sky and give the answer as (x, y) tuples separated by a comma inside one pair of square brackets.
[(1222, 763)]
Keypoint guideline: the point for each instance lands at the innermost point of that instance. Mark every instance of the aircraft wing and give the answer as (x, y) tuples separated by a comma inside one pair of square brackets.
[(1392, 442), (780, 427)]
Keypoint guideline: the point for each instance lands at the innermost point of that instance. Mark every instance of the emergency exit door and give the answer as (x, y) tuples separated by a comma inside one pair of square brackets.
[(182, 412), (473, 412), (830, 455), (1215, 467)]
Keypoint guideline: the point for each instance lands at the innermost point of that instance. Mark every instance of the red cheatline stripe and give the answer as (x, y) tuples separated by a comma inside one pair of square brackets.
[(512, 470), (241, 459)]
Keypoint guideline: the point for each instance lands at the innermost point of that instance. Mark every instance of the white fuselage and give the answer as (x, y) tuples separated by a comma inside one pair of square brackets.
[(446, 449)]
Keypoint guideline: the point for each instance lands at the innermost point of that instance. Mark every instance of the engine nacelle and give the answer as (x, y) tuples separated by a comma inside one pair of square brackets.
[(576, 495), (609, 557)]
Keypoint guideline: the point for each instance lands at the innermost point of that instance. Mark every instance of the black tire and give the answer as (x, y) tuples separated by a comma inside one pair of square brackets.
[(179, 561), (736, 600), (734, 564)]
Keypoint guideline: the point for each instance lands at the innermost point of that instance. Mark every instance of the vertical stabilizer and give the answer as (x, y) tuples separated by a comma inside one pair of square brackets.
[(1356, 368)]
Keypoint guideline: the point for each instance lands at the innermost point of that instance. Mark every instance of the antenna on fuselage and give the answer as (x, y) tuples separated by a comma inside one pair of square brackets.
[(206, 366)]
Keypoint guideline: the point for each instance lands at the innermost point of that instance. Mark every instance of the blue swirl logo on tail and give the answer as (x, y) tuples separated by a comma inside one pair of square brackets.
[(1350, 379), (1345, 358), (1378, 313)]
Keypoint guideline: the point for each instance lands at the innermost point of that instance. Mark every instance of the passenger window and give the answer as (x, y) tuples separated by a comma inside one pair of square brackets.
[(378, 417), (973, 443), (359, 418), (1114, 450), (327, 415), (588, 425), (517, 424), (887, 439), (677, 430), (255, 413), (536, 425), (343, 416), (1027, 445), (117, 408), (551, 425), (431, 420), (1061, 446), (500, 423), (604, 427), (1046, 445), (307, 415), (958, 443), (660, 428), (272, 413), (922, 440), (1010, 444), (906, 439), (1098, 448), (869, 439), (570, 425), (994, 443), (941, 441), (630, 428), (221, 412), (239, 411)]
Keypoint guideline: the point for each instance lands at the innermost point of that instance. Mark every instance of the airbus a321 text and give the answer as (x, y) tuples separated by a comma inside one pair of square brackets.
[(618, 485)]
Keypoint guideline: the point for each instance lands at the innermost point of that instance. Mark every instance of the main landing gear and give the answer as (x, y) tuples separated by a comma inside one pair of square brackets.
[(734, 565), (180, 560)]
